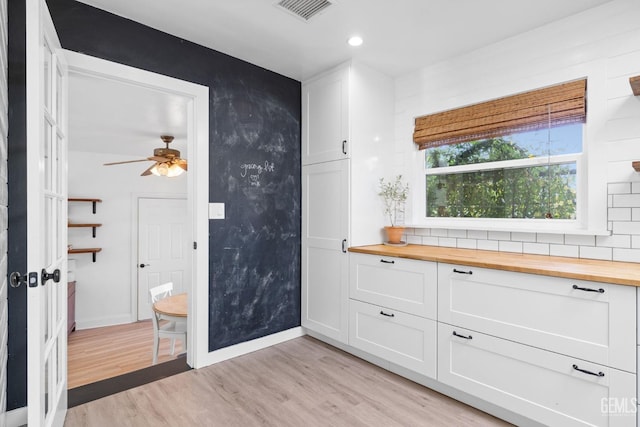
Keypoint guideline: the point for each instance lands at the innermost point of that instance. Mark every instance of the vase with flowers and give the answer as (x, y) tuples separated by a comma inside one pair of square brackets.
[(394, 195)]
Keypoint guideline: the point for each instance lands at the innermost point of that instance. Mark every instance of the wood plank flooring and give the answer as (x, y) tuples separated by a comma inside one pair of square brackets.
[(101, 353), (302, 382)]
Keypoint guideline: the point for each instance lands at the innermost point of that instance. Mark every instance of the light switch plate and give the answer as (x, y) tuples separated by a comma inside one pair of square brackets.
[(216, 210)]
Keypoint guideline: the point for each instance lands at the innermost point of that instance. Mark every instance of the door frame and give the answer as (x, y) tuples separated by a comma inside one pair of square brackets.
[(135, 197), (197, 181)]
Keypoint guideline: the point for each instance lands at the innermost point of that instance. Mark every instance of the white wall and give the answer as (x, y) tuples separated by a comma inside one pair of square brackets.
[(602, 44), (104, 288)]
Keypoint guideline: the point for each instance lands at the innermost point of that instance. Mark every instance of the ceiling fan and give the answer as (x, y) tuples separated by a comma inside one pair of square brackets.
[(167, 161)]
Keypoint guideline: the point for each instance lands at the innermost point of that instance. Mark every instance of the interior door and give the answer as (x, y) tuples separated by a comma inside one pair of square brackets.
[(46, 220), (162, 248)]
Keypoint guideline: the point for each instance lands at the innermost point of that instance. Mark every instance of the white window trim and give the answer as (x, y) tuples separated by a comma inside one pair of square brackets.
[(551, 226)]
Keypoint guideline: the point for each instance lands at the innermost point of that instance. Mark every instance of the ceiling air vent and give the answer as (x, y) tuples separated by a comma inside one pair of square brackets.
[(305, 9)]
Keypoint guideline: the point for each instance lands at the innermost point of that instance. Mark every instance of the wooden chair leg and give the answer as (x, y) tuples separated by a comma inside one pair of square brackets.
[(156, 345)]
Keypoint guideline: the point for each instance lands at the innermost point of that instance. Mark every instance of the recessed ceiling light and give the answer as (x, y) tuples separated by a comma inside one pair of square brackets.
[(355, 41)]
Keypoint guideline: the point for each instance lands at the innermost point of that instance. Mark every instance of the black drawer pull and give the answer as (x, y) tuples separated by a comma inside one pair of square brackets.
[(344, 147), (600, 290), (455, 270), (387, 314), (387, 262), (344, 246), (584, 371), (469, 337)]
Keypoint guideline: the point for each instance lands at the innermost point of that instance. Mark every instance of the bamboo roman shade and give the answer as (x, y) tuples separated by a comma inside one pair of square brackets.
[(561, 104)]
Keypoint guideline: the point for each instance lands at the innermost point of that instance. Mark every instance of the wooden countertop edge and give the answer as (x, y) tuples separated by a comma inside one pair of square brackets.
[(616, 272)]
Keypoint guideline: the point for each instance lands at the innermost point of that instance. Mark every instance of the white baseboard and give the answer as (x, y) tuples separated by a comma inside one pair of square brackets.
[(17, 417), (250, 346), (104, 321)]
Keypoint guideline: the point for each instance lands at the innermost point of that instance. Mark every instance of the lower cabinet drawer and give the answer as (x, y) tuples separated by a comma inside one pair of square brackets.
[(547, 387), (404, 339)]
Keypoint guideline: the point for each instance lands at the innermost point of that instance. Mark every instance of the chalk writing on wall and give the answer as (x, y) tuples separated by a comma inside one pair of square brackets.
[(252, 172)]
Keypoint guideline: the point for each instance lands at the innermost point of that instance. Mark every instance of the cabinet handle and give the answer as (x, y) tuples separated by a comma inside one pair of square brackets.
[(344, 146), (466, 337), (387, 262), (387, 314), (600, 290), (455, 270), (584, 371), (344, 246)]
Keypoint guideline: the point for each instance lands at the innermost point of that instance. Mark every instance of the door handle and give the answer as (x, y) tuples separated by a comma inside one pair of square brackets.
[(143, 265), (16, 279), (44, 276)]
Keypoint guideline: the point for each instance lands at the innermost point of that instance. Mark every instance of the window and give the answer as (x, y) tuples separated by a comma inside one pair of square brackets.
[(495, 160)]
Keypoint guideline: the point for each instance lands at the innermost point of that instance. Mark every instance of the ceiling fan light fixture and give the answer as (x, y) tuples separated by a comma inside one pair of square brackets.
[(174, 170)]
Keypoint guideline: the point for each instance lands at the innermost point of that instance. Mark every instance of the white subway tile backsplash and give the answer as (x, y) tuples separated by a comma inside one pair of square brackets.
[(448, 242), (499, 235), (635, 242), (619, 188), (477, 234), (488, 245), (523, 237), (619, 214), (422, 231), (557, 239), (614, 241), (626, 227), (591, 252), (430, 241), (626, 255), (505, 246), (564, 250), (439, 232), (468, 243), (460, 234), (414, 240), (579, 240), (626, 200), (535, 248), (635, 187), (635, 214)]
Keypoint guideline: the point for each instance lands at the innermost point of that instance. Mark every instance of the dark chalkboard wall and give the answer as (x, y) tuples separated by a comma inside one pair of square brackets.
[(254, 168)]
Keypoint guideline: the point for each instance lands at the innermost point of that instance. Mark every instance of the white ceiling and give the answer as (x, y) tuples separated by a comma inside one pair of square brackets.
[(399, 35), (106, 116)]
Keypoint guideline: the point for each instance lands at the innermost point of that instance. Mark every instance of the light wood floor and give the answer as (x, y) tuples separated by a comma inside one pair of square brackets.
[(101, 353), (302, 383)]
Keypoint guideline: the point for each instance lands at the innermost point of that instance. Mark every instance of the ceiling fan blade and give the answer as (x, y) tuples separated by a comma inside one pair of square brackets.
[(127, 161), (158, 159), (148, 171)]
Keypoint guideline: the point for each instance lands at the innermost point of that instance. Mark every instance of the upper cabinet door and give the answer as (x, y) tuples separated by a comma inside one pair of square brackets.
[(325, 117)]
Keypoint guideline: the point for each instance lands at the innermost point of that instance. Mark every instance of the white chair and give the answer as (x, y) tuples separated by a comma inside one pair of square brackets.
[(171, 327)]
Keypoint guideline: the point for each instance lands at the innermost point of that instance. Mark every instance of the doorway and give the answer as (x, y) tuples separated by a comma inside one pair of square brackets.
[(107, 294)]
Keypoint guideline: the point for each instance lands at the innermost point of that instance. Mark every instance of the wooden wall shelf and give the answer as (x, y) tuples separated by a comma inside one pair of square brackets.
[(93, 226), (635, 85), (92, 201), (91, 251)]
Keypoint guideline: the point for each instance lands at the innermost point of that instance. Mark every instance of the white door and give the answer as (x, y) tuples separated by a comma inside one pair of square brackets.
[(46, 221), (325, 262), (163, 252)]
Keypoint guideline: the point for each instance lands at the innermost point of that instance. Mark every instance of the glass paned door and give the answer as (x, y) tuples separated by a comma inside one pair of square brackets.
[(46, 220)]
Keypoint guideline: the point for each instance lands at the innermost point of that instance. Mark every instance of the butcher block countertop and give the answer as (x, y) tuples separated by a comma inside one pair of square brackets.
[(620, 273)]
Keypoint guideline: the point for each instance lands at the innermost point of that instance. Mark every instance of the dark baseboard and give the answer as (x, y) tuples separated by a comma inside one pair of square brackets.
[(87, 393)]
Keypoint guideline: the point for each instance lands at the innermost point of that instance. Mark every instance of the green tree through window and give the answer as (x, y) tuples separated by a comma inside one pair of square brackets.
[(525, 189)]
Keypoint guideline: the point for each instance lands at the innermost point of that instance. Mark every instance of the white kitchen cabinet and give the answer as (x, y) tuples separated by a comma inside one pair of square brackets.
[(404, 339), (586, 320), (548, 387), (325, 117), (325, 272), (347, 135), (401, 284)]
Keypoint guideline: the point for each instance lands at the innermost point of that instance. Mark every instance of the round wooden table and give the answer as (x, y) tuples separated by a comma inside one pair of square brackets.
[(174, 306)]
